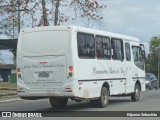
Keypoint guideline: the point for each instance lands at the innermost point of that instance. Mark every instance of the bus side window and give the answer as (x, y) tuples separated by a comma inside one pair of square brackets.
[(103, 50), (106, 48), (137, 55), (127, 50), (90, 46), (86, 45), (99, 47), (117, 46)]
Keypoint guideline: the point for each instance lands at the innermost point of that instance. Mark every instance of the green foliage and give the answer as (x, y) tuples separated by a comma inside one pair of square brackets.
[(13, 78), (8, 85), (154, 43), (152, 61)]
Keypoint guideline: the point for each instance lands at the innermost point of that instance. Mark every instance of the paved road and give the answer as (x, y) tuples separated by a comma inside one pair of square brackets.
[(150, 101)]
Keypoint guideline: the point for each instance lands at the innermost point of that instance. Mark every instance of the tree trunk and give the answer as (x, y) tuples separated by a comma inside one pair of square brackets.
[(56, 13), (44, 13)]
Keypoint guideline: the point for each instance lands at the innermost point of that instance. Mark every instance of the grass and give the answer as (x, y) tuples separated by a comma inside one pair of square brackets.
[(6, 91), (13, 78), (8, 85)]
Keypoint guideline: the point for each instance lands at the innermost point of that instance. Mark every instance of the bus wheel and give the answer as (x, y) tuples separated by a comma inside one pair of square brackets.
[(58, 102), (136, 94), (104, 98)]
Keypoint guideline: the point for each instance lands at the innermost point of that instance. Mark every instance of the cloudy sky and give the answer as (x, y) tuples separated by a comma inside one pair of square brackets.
[(139, 18)]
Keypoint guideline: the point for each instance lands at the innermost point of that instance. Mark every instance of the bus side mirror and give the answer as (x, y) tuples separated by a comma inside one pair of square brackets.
[(143, 54), (143, 51)]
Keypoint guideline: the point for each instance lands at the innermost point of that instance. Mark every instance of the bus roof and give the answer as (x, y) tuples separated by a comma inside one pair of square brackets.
[(109, 34), (83, 29)]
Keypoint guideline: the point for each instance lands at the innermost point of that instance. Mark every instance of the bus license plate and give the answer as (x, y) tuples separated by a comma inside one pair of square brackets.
[(43, 75)]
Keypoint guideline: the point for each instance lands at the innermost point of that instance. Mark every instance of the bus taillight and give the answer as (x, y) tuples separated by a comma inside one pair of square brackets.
[(18, 70), (70, 74), (70, 68)]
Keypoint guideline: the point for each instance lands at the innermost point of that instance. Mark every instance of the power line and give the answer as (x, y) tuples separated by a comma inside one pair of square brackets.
[(137, 17)]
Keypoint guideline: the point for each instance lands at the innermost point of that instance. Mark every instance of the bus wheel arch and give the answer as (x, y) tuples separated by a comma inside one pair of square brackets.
[(138, 83), (105, 84)]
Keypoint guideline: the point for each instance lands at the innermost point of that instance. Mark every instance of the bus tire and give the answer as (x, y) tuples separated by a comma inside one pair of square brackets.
[(104, 98), (58, 102), (136, 94)]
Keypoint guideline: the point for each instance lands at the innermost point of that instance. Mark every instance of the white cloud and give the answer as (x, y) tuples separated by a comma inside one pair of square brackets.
[(139, 18)]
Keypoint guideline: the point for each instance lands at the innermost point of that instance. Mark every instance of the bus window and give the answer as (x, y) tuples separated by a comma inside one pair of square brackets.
[(102, 47), (117, 46), (127, 50), (86, 45), (137, 56)]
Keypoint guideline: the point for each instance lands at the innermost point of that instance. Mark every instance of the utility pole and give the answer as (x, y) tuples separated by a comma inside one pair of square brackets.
[(19, 19), (13, 27), (44, 13), (56, 13), (13, 20), (158, 64)]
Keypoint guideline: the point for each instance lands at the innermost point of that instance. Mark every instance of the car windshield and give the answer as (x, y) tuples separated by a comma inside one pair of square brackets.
[(148, 77)]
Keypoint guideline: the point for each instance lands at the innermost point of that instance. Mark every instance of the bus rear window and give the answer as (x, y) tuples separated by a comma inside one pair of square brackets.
[(45, 42)]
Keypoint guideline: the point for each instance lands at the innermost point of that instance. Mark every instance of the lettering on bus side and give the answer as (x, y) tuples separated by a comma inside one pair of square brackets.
[(110, 71)]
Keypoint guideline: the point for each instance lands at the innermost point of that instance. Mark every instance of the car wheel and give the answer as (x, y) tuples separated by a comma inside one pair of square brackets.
[(157, 87), (151, 87), (136, 94)]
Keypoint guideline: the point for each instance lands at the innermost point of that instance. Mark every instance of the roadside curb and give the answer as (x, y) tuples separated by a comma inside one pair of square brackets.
[(8, 94), (4, 88), (9, 98), (12, 100)]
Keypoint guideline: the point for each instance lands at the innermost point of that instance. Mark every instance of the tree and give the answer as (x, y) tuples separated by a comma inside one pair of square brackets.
[(86, 9), (154, 43), (89, 10), (152, 61), (9, 20), (47, 12)]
